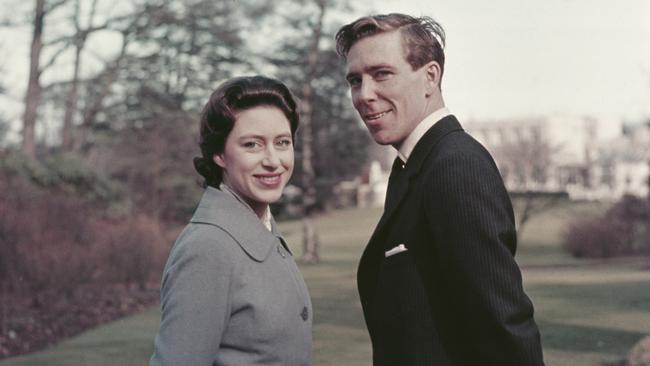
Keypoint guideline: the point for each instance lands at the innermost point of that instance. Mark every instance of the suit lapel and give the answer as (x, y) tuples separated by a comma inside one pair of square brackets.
[(374, 252), (413, 166)]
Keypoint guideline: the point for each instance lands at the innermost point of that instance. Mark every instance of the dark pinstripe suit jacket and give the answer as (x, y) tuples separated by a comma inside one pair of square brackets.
[(455, 297)]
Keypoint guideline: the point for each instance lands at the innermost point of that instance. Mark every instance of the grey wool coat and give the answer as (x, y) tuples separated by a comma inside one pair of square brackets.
[(231, 293)]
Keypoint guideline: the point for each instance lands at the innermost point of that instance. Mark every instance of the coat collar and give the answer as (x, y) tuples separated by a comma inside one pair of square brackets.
[(413, 166), (422, 149), (240, 222)]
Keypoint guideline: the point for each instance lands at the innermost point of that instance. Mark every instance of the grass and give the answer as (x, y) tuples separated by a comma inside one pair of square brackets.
[(125, 342), (589, 312)]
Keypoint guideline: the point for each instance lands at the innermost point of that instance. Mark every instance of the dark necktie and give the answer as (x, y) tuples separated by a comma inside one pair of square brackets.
[(398, 167)]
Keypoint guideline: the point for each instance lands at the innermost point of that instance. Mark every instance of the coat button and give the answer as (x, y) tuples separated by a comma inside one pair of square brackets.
[(304, 314)]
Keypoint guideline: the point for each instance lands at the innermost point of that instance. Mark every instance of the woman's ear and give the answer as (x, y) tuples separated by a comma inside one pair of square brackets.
[(218, 159)]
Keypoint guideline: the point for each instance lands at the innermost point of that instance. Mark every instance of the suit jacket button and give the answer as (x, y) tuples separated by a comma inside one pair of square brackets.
[(304, 314)]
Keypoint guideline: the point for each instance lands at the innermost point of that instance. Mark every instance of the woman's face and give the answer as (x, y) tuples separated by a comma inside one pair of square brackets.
[(257, 159)]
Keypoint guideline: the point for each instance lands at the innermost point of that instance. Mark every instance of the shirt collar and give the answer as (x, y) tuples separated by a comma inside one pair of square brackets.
[(409, 143)]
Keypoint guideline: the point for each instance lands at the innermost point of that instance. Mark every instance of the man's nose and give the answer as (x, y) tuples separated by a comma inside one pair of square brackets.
[(366, 92)]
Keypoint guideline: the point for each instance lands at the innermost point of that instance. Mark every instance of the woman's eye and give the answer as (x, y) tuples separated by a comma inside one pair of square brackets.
[(285, 143), (251, 144)]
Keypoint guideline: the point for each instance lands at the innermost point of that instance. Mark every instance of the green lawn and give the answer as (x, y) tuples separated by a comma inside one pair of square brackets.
[(589, 312)]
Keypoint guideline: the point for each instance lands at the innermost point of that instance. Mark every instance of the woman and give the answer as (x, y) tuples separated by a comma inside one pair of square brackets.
[(231, 291)]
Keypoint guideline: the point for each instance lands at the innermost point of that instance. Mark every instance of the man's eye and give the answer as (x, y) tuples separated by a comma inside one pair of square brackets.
[(382, 74), (354, 82)]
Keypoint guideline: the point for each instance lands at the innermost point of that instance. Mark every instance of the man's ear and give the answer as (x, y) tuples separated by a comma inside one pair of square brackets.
[(433, 73), (218, 159)]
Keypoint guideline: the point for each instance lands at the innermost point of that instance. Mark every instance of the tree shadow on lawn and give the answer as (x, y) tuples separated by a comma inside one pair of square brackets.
[(604, 307), (534, 255), (579, 338), (616, 296)]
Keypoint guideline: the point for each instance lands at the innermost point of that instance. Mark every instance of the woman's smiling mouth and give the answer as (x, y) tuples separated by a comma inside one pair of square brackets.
[(270, 180)]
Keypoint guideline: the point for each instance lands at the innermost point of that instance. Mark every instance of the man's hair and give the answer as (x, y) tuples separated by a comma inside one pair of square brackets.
[(220, 114), (423, 38)]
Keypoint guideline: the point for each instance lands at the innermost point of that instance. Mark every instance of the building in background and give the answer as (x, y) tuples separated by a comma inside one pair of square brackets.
[(583, 157), (588, 158)]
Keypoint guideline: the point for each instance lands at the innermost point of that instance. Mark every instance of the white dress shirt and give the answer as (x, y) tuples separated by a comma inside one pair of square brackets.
[(409, 143)]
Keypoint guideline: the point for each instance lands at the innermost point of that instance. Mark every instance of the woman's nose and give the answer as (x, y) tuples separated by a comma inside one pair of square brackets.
[(271, 158)]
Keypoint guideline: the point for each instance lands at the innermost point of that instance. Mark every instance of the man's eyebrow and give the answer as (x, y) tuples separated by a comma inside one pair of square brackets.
[(377, 67), (368, 69)]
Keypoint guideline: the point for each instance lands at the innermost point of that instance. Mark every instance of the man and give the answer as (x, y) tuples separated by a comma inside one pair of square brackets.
[(438, 281)]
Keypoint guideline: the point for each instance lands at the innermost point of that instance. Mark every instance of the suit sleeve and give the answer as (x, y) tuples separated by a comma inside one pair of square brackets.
[(470, 215), (194, 300)]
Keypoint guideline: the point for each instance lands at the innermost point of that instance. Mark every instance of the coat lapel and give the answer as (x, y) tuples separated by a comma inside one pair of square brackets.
[(413, 167), (224, 211)]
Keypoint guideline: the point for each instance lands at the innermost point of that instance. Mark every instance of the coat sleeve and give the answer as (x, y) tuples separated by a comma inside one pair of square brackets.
[(194, 299), (470, 215)]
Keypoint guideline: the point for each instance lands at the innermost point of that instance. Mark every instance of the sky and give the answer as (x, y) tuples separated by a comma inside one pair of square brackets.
[(504, 58), (514, 58)]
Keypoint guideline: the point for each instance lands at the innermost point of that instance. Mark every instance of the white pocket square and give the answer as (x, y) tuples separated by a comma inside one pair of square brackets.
[(398, 249)]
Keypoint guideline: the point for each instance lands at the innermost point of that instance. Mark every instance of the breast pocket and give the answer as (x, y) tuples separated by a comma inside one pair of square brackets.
[(400, 292), (401, 310)]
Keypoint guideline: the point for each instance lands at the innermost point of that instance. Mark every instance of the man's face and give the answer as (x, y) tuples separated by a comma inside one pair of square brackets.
[(389, 95)]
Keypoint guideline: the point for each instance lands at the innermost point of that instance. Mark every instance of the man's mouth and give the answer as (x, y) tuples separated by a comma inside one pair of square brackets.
[(375, 116)]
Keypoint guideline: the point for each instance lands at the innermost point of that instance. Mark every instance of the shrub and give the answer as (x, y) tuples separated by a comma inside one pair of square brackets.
[(54, 238), (622, 230), (598, 239), (72, 249), (45, 242), (66, 173), (133, 251), (639, 355)]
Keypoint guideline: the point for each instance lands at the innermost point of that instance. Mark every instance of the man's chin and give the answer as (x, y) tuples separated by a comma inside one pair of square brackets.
[(382, 140)]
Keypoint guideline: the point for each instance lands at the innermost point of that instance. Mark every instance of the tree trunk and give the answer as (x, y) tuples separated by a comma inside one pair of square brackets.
[(95, 105), (310, 237), (309, 200), (33, 95), (67, 138), (310, 241), (3, 307)]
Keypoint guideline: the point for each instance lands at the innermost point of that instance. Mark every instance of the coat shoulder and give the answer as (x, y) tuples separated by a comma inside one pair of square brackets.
[(460, 143), (204, 240), (460, 152)]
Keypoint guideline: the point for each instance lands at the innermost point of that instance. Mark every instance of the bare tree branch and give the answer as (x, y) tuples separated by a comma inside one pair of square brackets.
[(54, 57), (92, 109), (58, 40), (51, 6), (93, 10)]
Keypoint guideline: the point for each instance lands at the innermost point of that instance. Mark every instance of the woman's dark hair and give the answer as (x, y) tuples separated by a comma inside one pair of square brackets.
[(220, 113)]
